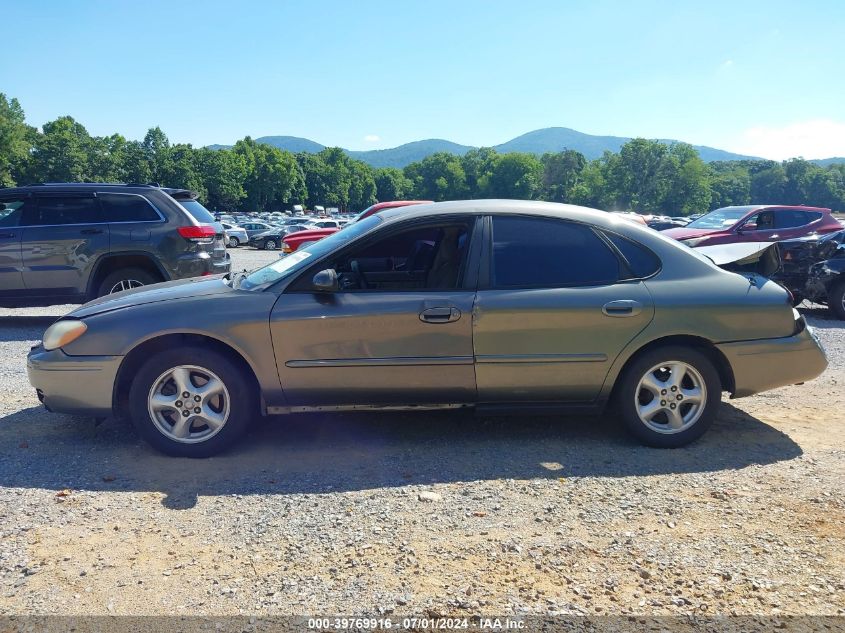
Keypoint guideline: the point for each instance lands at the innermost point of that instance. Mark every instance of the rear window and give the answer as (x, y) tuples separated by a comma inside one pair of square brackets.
[(642, 262), (539, 252), (127, 208), (197, 211)]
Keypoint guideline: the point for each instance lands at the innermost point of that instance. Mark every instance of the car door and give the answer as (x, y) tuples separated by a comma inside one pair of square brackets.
[(790, 223), (11, 213), (63, 237), (397, 331), (554, 309), (759, 227)]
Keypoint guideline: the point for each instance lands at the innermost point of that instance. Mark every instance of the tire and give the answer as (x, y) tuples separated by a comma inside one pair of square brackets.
[(234, 242), (129, 277), (676, 426), (161, 425), (836, 300), (269, 245)]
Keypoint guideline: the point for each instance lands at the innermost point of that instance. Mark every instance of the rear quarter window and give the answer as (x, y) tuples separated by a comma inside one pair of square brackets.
[(641, 261), (197, 211), (127, 208)]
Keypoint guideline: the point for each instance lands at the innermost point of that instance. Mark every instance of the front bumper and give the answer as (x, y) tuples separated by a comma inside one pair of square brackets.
[(82, 385), (768, 363)]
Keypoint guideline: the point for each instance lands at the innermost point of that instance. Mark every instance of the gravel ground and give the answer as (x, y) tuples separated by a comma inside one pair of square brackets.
[(427, 513)]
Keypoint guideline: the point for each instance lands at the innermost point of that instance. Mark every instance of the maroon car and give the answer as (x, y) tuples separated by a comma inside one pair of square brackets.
[(755, 223)]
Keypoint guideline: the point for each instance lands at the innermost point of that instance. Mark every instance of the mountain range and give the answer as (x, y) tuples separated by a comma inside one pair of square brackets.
[(551, 139)]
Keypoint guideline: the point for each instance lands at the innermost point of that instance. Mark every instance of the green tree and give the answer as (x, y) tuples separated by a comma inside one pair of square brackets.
[(517, 176), (478, 165), (391, 184), (768, 185), (438, 177), (223, 173), (689, 189), (15, 140), (61, 152), (274, 178), (562, 173)]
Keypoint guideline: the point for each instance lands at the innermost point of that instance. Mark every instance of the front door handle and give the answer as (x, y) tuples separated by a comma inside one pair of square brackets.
[(622, 308), (6, 235), (91, 231), (440, 315)]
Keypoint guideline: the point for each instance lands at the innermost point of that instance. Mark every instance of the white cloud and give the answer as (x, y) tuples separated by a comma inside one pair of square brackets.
[(372, 138), (818, 138)]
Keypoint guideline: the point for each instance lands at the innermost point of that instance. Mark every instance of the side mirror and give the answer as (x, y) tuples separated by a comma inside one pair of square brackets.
[(748, 226), (326, 280)]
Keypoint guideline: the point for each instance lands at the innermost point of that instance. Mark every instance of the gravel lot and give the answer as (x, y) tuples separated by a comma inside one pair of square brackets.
[(425, 514)]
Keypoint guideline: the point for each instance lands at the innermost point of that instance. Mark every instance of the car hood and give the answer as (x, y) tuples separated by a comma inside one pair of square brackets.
[(180, 289), (683, 233)]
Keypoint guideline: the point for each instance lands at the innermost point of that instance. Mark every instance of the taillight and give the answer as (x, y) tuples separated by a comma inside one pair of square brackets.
[(199, 233), (286, 248)]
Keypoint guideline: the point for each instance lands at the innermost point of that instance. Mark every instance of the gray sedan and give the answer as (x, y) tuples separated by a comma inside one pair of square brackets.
[(507, 306)]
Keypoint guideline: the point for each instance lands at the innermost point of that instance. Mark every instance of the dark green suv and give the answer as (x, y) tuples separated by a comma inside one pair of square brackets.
[(72, 242)]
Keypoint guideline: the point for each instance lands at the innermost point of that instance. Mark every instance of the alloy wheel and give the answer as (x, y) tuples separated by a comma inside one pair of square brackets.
[(670, 397), (189, 404), (125, 284)]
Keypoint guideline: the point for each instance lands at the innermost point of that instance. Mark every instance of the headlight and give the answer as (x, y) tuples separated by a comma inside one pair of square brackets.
[(695, 241), (63, 333)]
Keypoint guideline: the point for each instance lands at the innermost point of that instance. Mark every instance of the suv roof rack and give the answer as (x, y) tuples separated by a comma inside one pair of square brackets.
[(98, 184)]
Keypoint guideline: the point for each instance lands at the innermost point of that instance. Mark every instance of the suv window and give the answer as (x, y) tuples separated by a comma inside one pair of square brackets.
[(641, 261), (11, 211), (540, 252), (56, 211), (789, 218), (121, 207)]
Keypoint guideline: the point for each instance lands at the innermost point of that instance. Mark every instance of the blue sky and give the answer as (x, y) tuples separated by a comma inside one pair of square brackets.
[(765, 78)]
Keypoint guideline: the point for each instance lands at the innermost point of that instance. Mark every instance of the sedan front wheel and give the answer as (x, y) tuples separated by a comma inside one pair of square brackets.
[(190, 402), (669, 396)]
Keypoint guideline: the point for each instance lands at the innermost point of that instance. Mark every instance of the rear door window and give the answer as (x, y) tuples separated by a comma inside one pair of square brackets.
[(127, 208), (11, 211), (533, 252), (59, 210)]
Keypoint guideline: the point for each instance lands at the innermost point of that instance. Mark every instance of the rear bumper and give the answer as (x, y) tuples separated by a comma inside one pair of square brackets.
[(201, 264), (769, 363), (81, 385)]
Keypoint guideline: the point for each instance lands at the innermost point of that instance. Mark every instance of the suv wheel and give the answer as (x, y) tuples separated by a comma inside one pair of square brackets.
[(836, 299), (234, 242), (125, 279), (669, 396), (190, 402), (270, 245)]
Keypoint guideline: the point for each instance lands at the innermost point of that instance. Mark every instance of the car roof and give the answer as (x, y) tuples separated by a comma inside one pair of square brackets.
[(96, 186), (508, 207), (757, 207)]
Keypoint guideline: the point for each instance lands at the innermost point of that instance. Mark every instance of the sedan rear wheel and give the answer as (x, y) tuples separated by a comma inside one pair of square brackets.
[(191, 402), (669, 396), (234, 242)]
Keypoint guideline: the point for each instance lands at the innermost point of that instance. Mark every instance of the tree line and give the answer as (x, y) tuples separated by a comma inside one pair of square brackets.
[(644, 176)]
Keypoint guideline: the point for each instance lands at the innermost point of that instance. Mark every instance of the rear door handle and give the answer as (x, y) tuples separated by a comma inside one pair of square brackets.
[(440, 315), (622, 308), (91, 231)]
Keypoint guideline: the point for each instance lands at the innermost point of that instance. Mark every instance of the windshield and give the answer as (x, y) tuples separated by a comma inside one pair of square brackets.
[(199, 212), (718, 219), (305, 255)]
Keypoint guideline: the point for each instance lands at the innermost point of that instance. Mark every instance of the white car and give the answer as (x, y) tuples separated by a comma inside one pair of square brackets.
[(235, 235)]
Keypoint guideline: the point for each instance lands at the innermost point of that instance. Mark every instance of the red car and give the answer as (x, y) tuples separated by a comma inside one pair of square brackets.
[(755, 223), (295, 240)]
